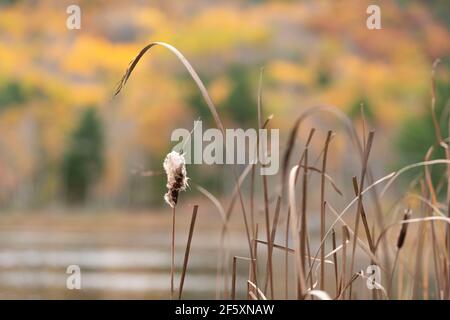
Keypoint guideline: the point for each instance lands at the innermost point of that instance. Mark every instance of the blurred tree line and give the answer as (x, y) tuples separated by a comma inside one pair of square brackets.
[(83, 159)]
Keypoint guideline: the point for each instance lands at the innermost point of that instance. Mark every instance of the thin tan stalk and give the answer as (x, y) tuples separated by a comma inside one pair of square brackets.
[(345, 237), (336, 276), (269, 278), (233, 280), (433, 197), (188, 249), (254, 261), (363, 215), (234, 275), (367, 149), (300, 278), (322, 211), (172, 265)]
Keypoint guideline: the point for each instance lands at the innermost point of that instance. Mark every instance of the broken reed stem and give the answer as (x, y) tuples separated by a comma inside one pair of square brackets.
[(349, 284), (345, 237), (322, 211), (336, 276), (272, 240), (234, 275), (259, 293), (172, 265), (233, 280), (364, 217), (275, 220), (188, 249), (367, 148), (366, 228), (276, 246)]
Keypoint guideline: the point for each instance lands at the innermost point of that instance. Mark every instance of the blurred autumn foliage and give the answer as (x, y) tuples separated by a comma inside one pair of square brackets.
[(312, 52)]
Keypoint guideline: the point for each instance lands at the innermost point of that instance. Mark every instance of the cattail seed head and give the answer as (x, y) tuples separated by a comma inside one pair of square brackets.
[(404, 229), (175, 167)]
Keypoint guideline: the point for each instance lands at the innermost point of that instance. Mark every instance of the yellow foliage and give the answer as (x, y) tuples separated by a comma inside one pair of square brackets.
[(286, 72), (219, 89), (90, 56)]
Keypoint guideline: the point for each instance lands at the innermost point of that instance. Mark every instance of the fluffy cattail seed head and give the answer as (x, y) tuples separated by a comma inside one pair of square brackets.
[(175, 167)]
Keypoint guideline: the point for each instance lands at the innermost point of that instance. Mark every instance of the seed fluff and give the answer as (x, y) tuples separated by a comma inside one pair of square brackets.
[(177, 180)]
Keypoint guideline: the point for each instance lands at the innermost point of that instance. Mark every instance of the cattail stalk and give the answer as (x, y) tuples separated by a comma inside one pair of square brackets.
[(175, 168)]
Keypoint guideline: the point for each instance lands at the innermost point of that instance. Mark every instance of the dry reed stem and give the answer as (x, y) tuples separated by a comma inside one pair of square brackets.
[(433, 197), (269, 278), (419, 256), (254, 267), (363, 216), (233, 280), (322, 210), (345, 237), (336, 275), (367, 149), (300, 279), (259, 293), (321, 295), (366, 228), (234, 275), (172, 265), (361, 243), (272, 240), (221, 260), (188, 249)]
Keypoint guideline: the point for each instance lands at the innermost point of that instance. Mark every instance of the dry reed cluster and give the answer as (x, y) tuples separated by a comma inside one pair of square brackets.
[(411, 267)]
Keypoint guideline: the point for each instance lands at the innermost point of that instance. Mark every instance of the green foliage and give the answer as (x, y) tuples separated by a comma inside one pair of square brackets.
[(417, 134), (196, 102), (8, 2), (324, 78), (83, 160), (12, 93), (355, 109), (241, 104)]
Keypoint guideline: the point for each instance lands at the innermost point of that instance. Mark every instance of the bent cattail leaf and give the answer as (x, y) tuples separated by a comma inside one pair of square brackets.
[(404, 229), (175, 167)]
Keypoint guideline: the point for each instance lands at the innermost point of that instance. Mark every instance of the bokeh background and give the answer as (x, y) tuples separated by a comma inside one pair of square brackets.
[(81, 173)]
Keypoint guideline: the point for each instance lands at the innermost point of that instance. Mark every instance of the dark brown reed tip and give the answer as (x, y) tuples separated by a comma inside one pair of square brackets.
[(404, 229)]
